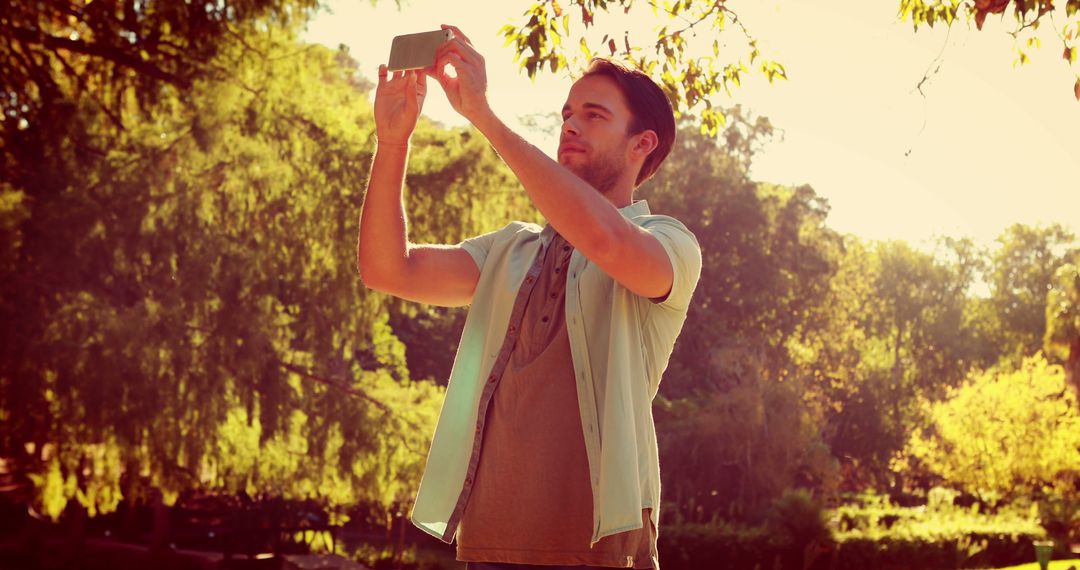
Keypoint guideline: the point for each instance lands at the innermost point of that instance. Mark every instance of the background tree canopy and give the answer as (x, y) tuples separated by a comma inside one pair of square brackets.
[(180, 306)]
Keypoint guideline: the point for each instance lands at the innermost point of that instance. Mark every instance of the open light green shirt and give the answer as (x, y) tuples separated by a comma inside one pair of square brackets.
[(620, 344)]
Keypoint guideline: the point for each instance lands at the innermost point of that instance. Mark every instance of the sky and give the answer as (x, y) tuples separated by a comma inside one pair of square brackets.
[(986, 145)]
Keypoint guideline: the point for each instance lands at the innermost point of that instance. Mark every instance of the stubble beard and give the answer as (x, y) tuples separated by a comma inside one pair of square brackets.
[(602, 172)]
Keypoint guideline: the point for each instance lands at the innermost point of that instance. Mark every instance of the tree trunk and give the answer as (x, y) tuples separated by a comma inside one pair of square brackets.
[(897, 379), (159, 540), (399, 550), (1072, 366), (76, 529), (130, 524)]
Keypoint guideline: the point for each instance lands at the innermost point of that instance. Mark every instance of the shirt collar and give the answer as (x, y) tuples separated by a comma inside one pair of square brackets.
[(635, 208)]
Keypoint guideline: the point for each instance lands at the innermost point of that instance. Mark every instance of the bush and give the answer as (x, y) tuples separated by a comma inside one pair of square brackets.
[(723, 545), (872, 533), (1006, 434), (797, 525)]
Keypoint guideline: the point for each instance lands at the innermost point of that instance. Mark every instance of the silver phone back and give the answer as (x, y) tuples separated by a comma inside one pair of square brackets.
[(416, 51)]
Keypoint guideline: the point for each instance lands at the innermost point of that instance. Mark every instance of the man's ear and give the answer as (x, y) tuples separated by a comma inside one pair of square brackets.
[(645, 142)]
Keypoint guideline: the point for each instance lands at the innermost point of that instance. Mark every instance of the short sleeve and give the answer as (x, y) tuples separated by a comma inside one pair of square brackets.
[(684, 253), (480, 246)]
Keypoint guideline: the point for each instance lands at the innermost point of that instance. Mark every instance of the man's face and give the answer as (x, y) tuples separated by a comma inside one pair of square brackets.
[(594, 142)]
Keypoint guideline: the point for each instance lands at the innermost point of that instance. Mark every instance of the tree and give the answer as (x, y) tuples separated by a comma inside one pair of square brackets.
[(109, 50), (894, 327), (179, 297), (767, 254), (731, 421), (1021, 273), (548, 38), (1026, 14), (730, 453), (545, 41), (1062, 338), (1005, 434)]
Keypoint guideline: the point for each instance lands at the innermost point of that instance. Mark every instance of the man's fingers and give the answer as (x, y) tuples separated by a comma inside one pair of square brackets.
[(453, 59), (446, 81), (465, 52), (417, 80), (464, 47), (382, 75), (457, 32), (421, 82), (410, 94)]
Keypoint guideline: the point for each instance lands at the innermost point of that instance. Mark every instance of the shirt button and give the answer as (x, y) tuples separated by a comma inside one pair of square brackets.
[(544, 319)]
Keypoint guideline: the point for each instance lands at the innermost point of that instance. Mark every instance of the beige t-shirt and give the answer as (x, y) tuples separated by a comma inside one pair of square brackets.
[(531, 502)]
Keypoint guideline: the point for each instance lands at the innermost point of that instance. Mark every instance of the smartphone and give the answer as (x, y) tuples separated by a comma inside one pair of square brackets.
[(416, 51)]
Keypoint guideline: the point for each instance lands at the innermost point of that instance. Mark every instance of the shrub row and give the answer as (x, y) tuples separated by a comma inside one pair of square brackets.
[(930, 543)]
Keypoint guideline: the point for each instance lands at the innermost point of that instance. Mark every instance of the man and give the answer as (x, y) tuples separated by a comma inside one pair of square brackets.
[(545, 450)]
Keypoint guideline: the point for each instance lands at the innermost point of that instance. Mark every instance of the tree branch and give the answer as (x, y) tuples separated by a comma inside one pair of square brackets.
[(83, 87), (337, 385), (54, 43)]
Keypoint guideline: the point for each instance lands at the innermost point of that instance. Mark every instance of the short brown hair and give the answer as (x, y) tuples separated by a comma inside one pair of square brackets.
[(649, 106)]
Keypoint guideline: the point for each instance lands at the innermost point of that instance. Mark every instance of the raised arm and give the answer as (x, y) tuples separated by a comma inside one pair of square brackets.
[(435, 274), (590, 222)]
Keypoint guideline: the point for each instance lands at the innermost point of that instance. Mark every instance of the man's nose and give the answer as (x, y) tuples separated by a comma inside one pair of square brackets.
[(569, 126)]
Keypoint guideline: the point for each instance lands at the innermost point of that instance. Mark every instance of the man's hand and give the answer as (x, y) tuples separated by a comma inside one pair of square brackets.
[(398, 100), (467, 91)]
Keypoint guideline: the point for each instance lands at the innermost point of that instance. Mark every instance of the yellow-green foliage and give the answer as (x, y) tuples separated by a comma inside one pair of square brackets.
[(1005, 433), (873, 532), (874, 517), (197, 323)]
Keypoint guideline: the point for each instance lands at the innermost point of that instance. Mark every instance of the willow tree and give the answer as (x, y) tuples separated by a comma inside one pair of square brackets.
[(179, 295)]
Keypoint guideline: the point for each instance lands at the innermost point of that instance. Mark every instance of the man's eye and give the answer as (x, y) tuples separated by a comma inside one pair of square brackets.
[(595, 116)]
